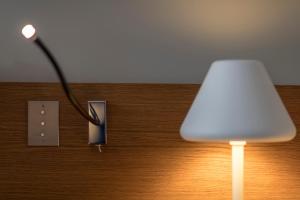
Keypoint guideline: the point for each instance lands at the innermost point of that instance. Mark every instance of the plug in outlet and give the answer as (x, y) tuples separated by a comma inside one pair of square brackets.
[(98, 134), (43, 123)]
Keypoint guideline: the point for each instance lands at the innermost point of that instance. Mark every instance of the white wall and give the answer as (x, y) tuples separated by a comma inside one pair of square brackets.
[(157, 41)]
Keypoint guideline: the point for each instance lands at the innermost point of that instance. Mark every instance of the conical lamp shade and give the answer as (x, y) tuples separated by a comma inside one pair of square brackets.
[(237, 101)]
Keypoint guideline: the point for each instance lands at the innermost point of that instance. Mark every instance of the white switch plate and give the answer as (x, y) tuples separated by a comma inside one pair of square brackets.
[(43, 123)]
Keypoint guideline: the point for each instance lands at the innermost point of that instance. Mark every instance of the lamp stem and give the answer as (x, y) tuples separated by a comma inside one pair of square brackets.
[(237, 170)]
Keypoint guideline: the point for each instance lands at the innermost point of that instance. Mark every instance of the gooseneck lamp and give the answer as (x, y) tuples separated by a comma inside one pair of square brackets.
[(29, 32), (237, 103)]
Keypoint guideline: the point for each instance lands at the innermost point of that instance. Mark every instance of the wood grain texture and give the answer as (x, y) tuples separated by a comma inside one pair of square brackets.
[(145, 157)]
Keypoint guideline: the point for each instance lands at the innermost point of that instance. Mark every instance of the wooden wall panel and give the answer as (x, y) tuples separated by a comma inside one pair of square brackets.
[(145, 157)]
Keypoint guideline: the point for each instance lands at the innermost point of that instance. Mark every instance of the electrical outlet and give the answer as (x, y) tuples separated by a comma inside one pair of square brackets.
[(98, 134), (43, 123)]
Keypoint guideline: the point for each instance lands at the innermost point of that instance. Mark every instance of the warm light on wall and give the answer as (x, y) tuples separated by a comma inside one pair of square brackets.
[(237, 102), (231, 22)]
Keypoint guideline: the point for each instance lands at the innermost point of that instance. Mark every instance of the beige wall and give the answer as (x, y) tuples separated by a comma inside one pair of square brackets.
[(157, 41)]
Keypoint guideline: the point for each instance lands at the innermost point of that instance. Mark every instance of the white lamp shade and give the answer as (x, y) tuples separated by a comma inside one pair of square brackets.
[(238, 102)]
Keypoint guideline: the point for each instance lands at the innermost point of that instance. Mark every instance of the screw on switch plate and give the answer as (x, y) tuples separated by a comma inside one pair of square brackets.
[(43, 123)]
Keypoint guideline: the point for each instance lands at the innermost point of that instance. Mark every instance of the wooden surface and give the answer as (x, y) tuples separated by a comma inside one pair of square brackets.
[(145, 158)]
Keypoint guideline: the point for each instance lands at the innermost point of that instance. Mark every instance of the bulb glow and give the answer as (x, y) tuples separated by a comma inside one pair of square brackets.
[(237, 143), (28, 31), (237, 169)]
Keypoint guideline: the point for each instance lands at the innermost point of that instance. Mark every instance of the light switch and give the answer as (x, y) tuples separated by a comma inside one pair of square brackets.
[(43, 123)]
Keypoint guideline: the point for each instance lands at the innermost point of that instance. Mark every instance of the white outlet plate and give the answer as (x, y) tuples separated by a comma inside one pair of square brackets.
[(43, 123)]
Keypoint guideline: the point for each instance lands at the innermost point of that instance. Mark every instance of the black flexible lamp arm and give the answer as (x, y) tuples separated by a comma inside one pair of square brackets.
[(29, 32), (95, 120)]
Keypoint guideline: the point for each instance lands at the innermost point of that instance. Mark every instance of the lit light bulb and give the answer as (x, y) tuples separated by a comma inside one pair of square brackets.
[(28, 31)]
